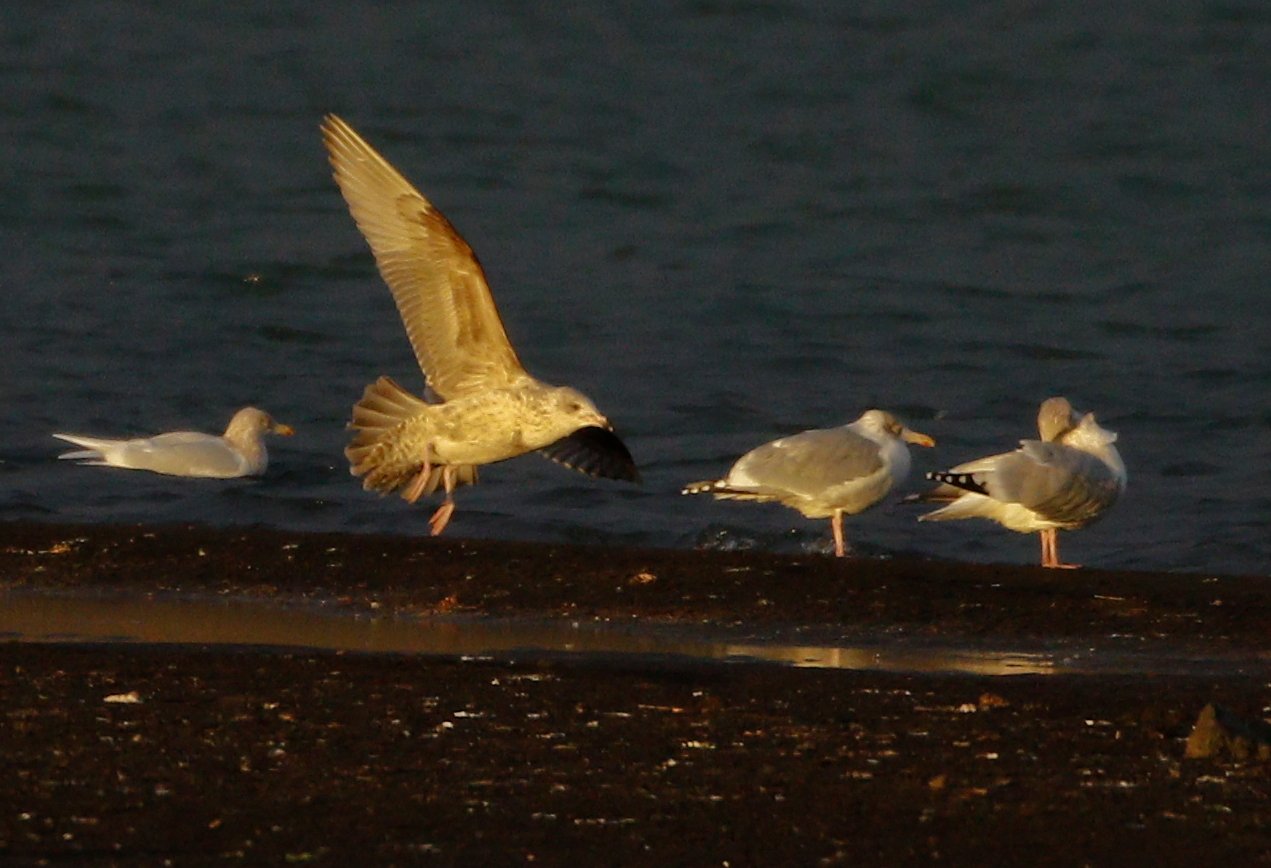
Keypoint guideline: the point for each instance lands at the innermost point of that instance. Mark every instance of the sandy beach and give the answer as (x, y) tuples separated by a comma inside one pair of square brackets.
[(137, 753)]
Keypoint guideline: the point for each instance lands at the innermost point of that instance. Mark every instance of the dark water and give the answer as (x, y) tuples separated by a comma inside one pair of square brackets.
[(723, 221)]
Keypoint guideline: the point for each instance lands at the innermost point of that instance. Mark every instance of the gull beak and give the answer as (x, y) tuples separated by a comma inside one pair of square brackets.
[(916, 438), (284, 430)]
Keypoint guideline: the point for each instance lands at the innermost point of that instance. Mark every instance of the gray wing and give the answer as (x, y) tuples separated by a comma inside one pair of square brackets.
[(1055, 481), (185, 453), (809, 463), (436, 281)]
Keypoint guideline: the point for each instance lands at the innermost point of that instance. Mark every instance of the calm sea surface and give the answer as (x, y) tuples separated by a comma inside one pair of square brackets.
[(723, 221)]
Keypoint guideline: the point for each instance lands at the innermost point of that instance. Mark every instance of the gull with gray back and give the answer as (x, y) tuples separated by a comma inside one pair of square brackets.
[(823, 473), (1064, 481), (240, 451)]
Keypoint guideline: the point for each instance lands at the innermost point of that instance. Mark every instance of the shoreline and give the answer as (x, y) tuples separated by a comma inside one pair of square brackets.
[(137, 753), (422, 575)]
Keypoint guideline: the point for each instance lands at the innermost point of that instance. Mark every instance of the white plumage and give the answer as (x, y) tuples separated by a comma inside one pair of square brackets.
[(823, 473), (1066, 480), (240, 451)]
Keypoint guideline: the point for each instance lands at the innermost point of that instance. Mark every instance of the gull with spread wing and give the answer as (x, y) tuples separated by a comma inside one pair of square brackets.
[(481, 405)]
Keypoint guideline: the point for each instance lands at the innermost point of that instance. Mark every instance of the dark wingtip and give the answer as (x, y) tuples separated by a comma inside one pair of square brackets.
[(596, 452), (964, 481)]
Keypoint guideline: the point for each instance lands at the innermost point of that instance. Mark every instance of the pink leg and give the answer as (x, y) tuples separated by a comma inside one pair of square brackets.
[(441, 517), (415, 490), (1050, 551), (840, 545)]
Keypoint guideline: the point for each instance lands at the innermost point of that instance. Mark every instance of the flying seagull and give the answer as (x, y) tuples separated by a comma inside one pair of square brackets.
[(1065, 480), (480, 406), (823, 473), (240, 451)]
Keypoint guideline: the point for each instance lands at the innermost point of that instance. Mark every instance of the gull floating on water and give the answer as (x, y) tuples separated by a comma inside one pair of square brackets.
[(240, 451), (1065, 480), (823, 473), (487, 408)]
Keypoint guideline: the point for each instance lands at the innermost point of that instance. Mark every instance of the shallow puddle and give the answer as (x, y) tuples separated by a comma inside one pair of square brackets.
[(236, 622)]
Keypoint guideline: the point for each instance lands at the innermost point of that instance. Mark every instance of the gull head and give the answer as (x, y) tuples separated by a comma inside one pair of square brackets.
[(1055, 418), (884, 423), (569, 410), (250, 422)]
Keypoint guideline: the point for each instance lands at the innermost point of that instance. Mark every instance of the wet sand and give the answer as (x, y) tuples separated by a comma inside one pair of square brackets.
[(267, 755)]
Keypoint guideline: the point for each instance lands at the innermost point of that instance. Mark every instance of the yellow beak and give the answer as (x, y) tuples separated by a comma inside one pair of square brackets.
[(916, 438)]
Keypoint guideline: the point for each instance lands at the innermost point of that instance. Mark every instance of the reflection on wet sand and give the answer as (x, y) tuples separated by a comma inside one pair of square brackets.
[(235, 622), (902, 659)]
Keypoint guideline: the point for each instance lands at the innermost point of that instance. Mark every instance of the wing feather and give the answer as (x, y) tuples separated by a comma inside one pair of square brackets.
[(1060, 483), (595, 452), (436, 280), (808, 463)]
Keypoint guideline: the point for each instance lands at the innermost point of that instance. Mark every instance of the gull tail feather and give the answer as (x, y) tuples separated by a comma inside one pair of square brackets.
[(722, 491), (963, 496), (970, 505), (91, 448), (384, 407)]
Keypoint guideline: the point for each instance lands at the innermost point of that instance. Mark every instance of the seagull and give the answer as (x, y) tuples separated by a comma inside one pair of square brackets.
[(480, 405), (240, 451), (1065, 480), (823, 473)]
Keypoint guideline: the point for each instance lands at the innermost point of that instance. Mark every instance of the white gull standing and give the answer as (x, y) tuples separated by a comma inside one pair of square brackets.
[(240, 451), (823, 473), (1064, 481), (481, 405)]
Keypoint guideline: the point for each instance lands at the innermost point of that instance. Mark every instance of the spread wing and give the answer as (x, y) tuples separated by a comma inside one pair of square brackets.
[(439, 287), (595, 452)]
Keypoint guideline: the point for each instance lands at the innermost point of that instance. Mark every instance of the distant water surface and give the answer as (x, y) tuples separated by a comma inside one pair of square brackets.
[(723, 221)]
